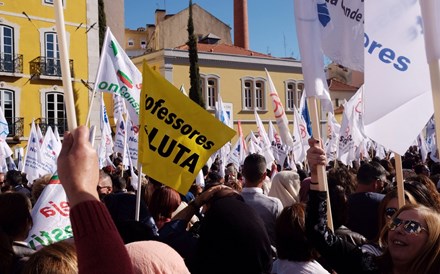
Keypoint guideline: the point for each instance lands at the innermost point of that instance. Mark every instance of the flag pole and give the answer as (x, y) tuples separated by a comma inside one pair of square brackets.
[(399, 180), (65, 69), (138, 192), (322, 175)]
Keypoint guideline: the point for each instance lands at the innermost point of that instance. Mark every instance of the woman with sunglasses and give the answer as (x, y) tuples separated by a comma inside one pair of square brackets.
[(411, 242)]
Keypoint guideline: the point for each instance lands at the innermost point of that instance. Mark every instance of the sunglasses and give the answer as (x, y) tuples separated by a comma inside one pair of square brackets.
[(389, 212), (409, 226)]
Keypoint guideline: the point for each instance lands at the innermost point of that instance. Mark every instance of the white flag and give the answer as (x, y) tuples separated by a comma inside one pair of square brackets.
[(221, 113), (279, 113), (120, 137), (332, 142), (117, 74), (312, 58), (4, 128), (254, 144), (266, 150), (118, 108), (132, 143), (350, 134), (106, 131), (343, 32), (300, 137), (395, 51), (40, 135), (49, 151), (32, 164), (50, 215)]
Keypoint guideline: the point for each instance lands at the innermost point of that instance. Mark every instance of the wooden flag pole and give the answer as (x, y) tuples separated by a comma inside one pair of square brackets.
[(322, 174), (434, 70), (399, 180), (65, 69)]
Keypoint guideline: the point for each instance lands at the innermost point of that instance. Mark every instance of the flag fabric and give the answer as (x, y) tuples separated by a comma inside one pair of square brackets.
[(4, 127), (49, 151), (279, 113), (117, 74), (300, 137), (31, 164), (221, 112), (119, 108), (234, 155), (176, 135), (39, 134), (304, 111), (120, 137), (389, 106), (312, 58), (5, 153), (342, 32), (278, 149), (132, 143), (430, 10), (350, 134), (106, 131), (332, 141), (254, 144), (50, 215), (182, 89), (265, 145)]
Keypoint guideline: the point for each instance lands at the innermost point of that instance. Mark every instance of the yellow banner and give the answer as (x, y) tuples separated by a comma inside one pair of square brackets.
[(176, 136)]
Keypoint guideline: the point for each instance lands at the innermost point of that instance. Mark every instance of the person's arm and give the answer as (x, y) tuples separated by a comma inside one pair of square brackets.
[(99, 246), (342, 256)]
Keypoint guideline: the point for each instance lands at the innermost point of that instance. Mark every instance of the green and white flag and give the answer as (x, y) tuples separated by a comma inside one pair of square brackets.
[(117, 74)]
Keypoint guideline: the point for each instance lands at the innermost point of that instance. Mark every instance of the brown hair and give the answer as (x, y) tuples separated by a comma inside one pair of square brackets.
[(164, 201)]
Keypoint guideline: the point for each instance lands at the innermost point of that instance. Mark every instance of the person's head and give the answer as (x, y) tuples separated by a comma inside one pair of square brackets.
[(230, 171), (285, 186), (422, 169), (14, 178), (254, 169), (38, 187), (372, 177), (411, 240), (59, 257), (15, 223), (105, 185), (164, 201), (15, 216), (291, 240), (155, 257), (119, 184)]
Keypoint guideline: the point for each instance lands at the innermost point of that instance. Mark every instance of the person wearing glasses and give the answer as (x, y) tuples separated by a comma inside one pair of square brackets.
[(410, 241)]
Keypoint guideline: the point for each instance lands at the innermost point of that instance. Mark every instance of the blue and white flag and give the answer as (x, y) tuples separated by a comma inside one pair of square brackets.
[(4, 128)]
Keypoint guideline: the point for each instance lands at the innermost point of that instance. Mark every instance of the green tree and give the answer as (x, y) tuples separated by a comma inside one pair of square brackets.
[(102, 23), (195, 91)]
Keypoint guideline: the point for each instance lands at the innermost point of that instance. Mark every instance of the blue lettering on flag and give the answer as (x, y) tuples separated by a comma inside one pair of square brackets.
[(323, 14)]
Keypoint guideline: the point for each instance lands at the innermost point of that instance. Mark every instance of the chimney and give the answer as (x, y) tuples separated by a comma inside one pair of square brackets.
[(160, 16), (241, 32)]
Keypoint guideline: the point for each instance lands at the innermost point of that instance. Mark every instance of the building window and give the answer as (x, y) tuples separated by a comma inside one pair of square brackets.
[(6, 48), (7, 103), (52, 54), (294, 90), (130, 42), (143, 44), (210, 90), (253, 93), (56, 111)]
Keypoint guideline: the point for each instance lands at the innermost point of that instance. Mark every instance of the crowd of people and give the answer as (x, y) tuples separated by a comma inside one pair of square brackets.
[(249, 220)]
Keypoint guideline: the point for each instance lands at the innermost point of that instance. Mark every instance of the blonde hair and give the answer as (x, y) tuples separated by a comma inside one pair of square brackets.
[(57, 258), (428, 259)]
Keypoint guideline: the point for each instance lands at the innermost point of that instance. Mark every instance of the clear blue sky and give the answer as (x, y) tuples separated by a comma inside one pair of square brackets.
[(271, 23)]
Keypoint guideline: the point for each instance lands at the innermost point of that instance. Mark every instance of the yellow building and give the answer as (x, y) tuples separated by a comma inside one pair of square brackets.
[(31, 86), (238, 76)]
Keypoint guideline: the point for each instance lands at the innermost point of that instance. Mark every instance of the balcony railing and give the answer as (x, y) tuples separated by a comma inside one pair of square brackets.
[(11, 63), (16, 125), (45, 66), (59, 123)]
